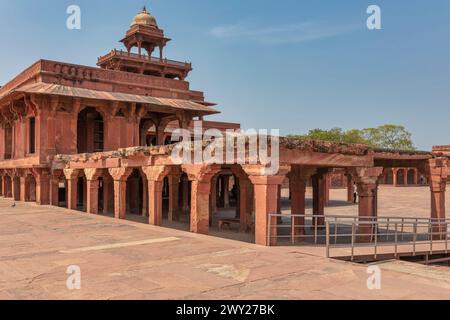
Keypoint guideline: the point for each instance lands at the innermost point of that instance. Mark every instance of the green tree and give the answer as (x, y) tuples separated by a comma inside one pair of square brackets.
[(387, 136)]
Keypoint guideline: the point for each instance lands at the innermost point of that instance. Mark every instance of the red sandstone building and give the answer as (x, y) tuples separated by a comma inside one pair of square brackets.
[(95, 140)]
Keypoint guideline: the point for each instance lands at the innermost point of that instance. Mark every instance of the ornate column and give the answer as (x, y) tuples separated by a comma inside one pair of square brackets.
[(394, 176), (367, 183), (405, 177), (54, 187), (266, 198), (120, 176), (72, 187), (200, 176), (438, 170), (42, 177), (92, 186), (155, 177), (298, 178), (1, 184)]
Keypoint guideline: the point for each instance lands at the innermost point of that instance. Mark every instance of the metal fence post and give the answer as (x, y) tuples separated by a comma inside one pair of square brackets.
[(328, 238)]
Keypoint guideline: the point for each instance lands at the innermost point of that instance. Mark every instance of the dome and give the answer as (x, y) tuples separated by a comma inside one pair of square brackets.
[(143, 18)]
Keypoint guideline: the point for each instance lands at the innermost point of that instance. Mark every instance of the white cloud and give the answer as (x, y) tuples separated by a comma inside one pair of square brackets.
[(281, 34)]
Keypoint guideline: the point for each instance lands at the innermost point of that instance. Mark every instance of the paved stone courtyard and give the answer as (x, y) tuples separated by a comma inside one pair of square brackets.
[(128, 260)]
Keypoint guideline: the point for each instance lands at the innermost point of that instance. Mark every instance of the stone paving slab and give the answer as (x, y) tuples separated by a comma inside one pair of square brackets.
[(128, 260)]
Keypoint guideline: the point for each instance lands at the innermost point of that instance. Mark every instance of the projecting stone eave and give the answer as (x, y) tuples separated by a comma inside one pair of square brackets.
[(91, 77), (393, 154), (292, 152)]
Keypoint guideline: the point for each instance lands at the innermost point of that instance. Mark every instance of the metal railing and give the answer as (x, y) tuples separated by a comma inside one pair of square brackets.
[(370, 235)]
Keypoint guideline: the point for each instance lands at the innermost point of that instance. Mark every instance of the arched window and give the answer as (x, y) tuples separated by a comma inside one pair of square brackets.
[(90, 128)]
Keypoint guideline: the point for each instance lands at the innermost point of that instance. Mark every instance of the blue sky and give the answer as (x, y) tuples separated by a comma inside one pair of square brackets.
[(287, 64)]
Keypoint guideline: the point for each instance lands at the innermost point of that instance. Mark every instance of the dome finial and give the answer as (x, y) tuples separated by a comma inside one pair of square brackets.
[(144, 18)]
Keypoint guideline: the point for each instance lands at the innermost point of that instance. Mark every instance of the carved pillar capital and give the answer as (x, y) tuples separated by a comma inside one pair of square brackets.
[(200, 172), (92, 174), (120, 174), (71, 174)]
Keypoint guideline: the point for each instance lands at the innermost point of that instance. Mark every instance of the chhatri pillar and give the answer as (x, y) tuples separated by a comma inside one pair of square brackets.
[(120, 176), (438, 170)]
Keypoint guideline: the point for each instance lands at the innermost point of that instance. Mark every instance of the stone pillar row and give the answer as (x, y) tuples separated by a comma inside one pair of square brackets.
[(258, 193), (27, 185)]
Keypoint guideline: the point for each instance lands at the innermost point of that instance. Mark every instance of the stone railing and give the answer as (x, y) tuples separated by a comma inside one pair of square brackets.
[(144, 57)]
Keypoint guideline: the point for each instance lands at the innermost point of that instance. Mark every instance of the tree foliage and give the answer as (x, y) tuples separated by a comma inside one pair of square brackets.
[(387, 136)]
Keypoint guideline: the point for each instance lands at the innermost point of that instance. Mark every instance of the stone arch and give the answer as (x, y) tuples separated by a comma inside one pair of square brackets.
[(144, 126), (153, 131), (91, 130)]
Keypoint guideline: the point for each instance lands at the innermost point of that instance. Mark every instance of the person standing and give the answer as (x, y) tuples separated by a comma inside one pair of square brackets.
[(355, 193)]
